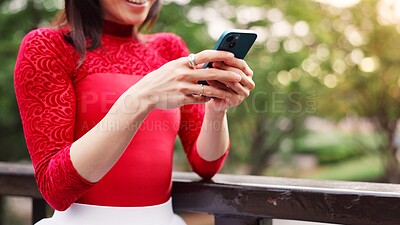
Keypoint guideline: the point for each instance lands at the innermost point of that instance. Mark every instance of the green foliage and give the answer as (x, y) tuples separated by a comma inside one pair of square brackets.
[(15, 22), (367, 168), (334, 147)]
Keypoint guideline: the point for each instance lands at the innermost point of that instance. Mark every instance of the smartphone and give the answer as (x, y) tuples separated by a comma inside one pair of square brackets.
[(236, 41)]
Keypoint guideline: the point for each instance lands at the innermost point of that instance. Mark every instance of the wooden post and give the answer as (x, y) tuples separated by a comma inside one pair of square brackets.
[(1, 210), (38, 209), (266, 222)]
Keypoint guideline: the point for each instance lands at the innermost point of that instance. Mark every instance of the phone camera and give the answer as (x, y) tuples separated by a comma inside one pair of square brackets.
[(232, 44), (230, 38)]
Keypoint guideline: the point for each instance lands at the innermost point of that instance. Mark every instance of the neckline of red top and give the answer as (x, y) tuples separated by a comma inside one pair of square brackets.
[(117, 29)]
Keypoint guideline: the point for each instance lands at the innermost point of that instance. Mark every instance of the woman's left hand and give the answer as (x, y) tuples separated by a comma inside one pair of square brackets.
[(239, 91)]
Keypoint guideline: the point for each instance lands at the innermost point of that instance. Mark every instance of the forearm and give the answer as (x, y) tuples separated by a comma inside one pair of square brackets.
[(213, 140), (96, 152)]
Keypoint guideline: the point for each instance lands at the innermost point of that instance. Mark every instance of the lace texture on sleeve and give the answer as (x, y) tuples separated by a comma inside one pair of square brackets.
[(46, 101)]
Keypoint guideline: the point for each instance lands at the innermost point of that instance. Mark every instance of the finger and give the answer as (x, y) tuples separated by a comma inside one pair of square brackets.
[(195, 99), (235, 87), (215, 74), (210, 91), (219, 85), (245, 81), (230, 86), (200, 66), (212, 56), (200, 99), (239, 89), (241, 65)]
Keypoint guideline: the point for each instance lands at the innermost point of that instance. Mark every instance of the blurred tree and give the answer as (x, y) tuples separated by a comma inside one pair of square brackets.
[(365, 70), (16, 19)]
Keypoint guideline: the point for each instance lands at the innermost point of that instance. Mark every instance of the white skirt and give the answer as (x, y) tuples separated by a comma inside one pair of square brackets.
[(83, 214)]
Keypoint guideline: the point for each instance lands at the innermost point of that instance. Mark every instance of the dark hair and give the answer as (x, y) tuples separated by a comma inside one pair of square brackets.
[(85, 18)]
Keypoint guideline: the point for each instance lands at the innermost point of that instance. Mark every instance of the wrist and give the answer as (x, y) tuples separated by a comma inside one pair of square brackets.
[(211, 109), (132, 104)]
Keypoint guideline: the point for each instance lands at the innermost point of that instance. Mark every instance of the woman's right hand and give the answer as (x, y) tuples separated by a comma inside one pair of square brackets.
[(175, 83)]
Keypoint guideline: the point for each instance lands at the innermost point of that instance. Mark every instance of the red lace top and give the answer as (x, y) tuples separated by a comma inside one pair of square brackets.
[(59, 103)]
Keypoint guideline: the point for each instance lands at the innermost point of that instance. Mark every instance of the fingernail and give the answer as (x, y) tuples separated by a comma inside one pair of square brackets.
[(230, 55)]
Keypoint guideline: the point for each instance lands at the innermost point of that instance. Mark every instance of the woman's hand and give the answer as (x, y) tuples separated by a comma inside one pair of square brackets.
[(175, 83), (238, 91)]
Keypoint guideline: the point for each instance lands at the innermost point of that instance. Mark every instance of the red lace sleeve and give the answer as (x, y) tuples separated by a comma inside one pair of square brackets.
[(191, 121), (46, 101)]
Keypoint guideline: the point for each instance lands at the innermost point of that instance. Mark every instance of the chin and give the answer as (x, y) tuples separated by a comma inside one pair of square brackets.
[(136, 21)]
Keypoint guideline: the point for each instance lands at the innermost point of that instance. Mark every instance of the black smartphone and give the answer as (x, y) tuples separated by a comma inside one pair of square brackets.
[(236, 41)]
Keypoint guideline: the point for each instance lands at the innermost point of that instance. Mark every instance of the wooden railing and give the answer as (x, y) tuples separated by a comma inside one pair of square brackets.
[(248, 200)]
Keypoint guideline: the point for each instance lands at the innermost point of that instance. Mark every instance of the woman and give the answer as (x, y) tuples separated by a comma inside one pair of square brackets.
[(101, 106)]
